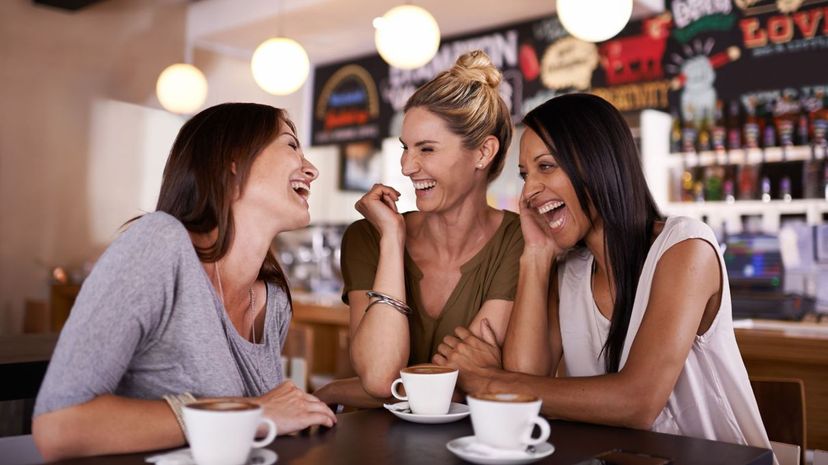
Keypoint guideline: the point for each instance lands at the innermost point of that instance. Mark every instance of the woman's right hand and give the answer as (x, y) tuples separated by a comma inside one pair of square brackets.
[(536, 236), (379, 208), (294, 410)]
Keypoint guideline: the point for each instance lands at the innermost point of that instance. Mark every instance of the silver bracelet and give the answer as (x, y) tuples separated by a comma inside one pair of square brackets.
[(386, 299), (177, 403)]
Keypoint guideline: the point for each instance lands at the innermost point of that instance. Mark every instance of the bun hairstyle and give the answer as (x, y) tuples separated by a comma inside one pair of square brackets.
[(467, 98)]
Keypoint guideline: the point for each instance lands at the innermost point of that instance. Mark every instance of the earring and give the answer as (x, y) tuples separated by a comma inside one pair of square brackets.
[(480, 165)]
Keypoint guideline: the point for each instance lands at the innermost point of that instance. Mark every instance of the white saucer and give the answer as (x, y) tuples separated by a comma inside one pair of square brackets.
[(185, 457), (456, 412), (460, 447)]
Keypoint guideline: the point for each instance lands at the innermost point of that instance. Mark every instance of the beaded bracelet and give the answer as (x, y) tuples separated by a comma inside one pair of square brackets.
[(386, 299), (177, 403)]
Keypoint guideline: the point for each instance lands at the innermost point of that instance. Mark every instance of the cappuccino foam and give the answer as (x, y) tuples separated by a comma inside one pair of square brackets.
[(427, 370), (223, 406), (506, 397)]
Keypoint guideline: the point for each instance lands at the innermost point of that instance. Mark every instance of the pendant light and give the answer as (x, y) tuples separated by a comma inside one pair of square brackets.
[(407, 36), (594, 20), (181, 88), (280, 65)]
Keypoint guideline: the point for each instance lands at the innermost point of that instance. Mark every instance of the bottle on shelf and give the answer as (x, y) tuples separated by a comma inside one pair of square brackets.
[(802, 136), (719, 131), (785, 120), (729, 190), (785, 188), (751, 130), (769, 138), (698, 191), (686, 182), (818, 114), (734, 127), (713, 180), (675, 133), (704, 136), (812, 176), (766, 188), (689, 133)]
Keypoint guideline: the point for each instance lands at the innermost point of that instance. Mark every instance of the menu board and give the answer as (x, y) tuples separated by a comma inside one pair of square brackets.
[(682, 60)]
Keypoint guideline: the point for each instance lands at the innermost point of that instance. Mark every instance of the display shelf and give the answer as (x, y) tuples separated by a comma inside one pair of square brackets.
[(729, 214), (749, 156)]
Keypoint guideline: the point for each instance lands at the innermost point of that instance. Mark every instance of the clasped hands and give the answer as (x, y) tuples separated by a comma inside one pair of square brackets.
[(477, 358)]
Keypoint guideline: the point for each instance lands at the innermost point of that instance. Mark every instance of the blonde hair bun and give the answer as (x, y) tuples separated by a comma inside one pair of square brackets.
[(477, 66)]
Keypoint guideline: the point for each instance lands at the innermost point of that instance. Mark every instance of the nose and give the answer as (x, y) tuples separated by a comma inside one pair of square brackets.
[(531, 188), (409, 164), (309, 170)]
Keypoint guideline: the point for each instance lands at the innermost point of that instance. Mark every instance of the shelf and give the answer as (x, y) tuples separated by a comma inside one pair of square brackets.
[(719, 213), (748, 207), (750, 156)]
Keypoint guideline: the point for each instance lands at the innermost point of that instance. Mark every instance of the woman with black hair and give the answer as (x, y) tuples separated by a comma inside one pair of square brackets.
[(621, 317)]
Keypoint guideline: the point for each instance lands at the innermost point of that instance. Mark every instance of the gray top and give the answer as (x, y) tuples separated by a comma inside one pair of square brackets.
[(147, 322)]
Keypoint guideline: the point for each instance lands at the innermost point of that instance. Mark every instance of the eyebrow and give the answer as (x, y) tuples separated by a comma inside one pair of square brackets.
[(538, 156), (420, 143), (292, 136)]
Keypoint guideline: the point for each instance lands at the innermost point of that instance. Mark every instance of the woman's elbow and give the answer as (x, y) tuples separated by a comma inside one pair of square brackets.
[(49, 432), (644, 413), (377, 385)]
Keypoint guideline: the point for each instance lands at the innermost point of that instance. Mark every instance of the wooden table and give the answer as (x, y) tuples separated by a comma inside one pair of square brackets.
[(377, 437), (792, 350)]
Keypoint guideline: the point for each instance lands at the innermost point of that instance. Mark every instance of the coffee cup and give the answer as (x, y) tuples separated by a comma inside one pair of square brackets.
[(428, 388), (223, 432), (506, 421)]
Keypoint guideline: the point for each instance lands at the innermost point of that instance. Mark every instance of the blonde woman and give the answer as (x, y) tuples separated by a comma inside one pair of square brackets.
[(454, 262)]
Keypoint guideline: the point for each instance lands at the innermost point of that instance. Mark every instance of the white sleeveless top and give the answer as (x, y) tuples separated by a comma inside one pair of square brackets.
[(712, 398)]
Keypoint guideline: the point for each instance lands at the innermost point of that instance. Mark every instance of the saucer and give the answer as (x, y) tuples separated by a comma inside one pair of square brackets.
[(468, 449), (185, 457), (456, 412)]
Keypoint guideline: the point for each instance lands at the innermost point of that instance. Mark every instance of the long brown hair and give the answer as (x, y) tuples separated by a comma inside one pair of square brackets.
[(198, 185), (594, 146)]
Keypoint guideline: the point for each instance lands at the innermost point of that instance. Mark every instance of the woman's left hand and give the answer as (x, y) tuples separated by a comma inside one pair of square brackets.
[(476, 358)]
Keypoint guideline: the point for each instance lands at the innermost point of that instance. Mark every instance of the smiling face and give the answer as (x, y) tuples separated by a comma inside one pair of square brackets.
[(278, 185), (443, 171), (548, 190)]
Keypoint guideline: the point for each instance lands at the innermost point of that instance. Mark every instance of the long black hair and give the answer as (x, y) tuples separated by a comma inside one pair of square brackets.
[(594, 146), (198, 185)]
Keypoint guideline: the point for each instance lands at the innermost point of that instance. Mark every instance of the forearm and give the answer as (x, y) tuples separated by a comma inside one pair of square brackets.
[(348, 392), (106, 425), (611, 399), (526, 347), (380, 345)]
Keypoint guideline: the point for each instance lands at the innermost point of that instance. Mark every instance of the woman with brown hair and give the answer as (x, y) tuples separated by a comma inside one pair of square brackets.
[(189, 301), (454, 262)]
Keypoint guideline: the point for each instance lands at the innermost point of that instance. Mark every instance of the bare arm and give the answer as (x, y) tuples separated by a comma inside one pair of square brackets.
[(380, 337), (111, 424), (106, 425), (497, 312), (533, 343), (687, 279), (348, 392)]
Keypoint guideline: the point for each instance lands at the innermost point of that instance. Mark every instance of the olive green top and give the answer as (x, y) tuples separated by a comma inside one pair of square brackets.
[(491, 274)]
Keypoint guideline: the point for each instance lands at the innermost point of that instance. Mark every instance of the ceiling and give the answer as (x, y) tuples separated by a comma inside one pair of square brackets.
[(332, 30)]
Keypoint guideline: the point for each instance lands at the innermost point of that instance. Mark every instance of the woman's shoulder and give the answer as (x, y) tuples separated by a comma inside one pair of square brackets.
[(152, 235), (158, 226), (679, 228)]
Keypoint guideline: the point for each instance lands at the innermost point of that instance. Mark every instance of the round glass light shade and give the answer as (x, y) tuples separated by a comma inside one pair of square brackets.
[(181, 88), (280, 66), (594, 20), (407, 37)]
